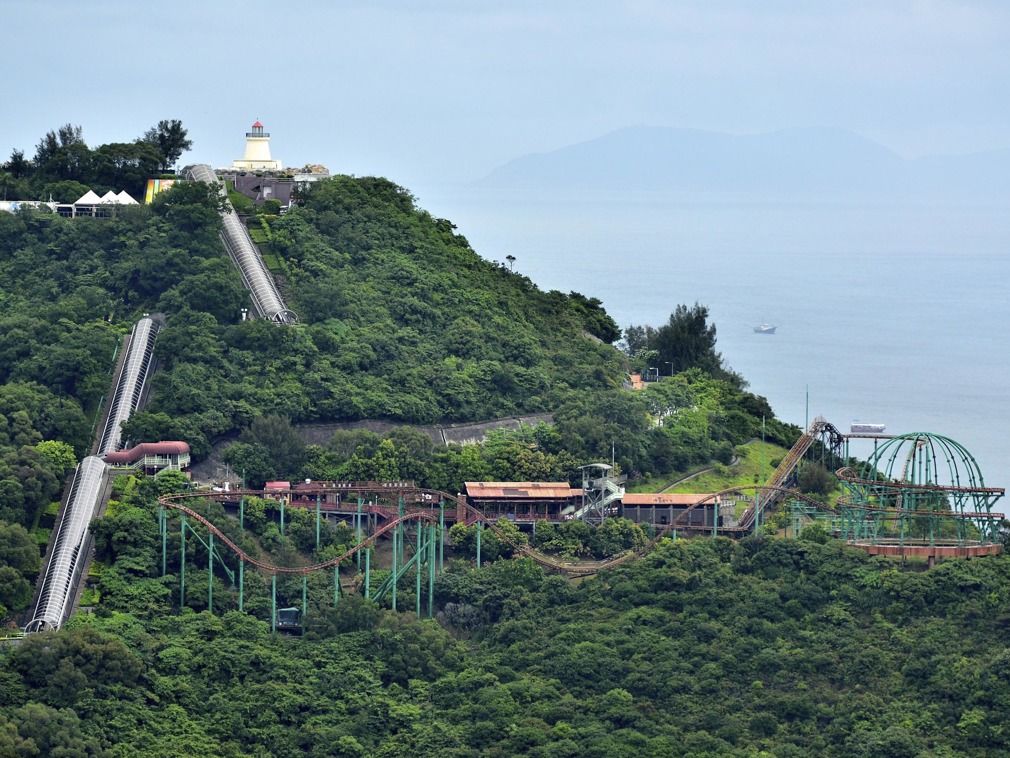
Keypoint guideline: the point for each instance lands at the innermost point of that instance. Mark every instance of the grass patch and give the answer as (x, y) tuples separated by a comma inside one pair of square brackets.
[(659, 482), (752, 467), (754, 460)]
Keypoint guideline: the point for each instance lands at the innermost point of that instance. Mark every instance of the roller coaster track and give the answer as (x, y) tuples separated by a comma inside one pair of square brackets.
[(271, 568), (473, 515), (787, 467)]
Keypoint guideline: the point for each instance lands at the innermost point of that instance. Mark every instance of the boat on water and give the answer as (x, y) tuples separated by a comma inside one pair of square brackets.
[(861, 427), (765, 329)]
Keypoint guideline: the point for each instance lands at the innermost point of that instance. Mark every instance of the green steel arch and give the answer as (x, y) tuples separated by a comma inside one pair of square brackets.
[(920, 488)]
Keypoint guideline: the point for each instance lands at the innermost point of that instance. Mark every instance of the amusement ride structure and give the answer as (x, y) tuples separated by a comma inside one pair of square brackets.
[(923, 495)]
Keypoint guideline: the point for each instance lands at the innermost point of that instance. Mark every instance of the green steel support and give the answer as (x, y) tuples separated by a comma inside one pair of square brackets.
[(273, 604), (480, 528), (715, 518), (400, 528), (283, 499), (368, 573), (417, 573), (241, 584), (182, 561), (317, 521), (210, 573), (336, 584), (241, 513), (432, 529), (357, 533), (396, 550), (412, 563), (441, 535), (305, 596)]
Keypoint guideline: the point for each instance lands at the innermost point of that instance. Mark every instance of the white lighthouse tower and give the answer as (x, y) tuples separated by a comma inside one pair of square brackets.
[(257, 152)]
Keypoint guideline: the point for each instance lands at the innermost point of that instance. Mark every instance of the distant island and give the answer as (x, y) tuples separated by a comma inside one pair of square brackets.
[(790, 163)]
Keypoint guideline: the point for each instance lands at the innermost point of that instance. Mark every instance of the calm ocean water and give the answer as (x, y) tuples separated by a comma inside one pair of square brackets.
[(890, 314)]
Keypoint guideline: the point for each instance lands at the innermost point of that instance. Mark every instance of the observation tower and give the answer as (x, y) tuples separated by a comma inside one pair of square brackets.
[(257, 151)]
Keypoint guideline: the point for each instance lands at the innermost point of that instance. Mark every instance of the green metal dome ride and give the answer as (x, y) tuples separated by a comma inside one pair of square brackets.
[(920, 494)]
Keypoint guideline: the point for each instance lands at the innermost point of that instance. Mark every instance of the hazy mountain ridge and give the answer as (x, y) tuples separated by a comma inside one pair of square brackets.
[(789, 162)]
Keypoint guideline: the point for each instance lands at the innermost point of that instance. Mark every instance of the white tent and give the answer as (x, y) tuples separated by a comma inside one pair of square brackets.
[(123, 198), (88, 198), (109, 198)]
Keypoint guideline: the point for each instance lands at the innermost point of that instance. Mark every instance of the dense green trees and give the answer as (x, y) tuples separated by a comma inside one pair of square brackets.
[(763, 646), (19, 565), (64, 167), (686, 341)]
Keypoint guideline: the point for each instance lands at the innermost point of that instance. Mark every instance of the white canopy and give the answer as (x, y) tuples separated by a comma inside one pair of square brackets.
[(88, 198), (123, 198), (109, 197)]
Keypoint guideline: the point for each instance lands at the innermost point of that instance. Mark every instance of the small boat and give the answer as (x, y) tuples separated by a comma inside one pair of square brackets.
[(764, 329)]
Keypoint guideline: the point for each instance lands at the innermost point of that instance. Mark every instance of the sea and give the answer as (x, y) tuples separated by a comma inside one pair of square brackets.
[(886, 312)]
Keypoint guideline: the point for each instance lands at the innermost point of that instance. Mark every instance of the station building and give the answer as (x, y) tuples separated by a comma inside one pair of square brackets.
[(524, 501)]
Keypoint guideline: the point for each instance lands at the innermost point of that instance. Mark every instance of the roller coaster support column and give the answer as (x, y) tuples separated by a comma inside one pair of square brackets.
[(282, 514), (336, 585), (305, 596), (432, 530), (396, 538), (480, 528), (182, 561), (241, 585), (757, 512), (241, 513), (273, 604), (210, 573), (368, 573), (317, 521), (400, 528), (715, 517), (417, 572), (441, 534), (357, 533)]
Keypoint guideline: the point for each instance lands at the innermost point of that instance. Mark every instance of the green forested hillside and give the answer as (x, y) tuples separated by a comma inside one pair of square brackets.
[(703, 648), (761, 647), (401, 319)]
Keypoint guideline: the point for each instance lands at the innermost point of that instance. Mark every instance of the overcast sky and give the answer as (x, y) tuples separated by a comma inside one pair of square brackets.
[(444, 90)]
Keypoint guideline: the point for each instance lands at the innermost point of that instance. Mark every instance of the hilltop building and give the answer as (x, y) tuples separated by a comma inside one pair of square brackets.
[(257, 152)]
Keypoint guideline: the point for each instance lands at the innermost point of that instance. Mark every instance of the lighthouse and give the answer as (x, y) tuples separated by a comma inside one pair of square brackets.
[(257, 152)]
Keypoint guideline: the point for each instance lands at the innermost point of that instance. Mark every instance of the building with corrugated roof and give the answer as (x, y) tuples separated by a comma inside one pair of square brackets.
[(524, 501)]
